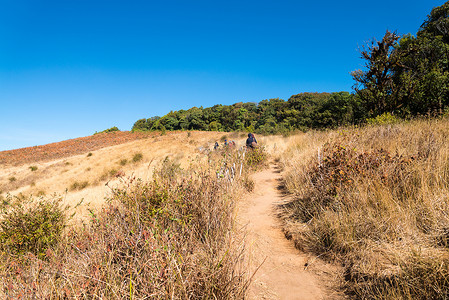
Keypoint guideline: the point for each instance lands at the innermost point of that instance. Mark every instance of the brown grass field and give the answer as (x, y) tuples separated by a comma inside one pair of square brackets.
[(111, 218), (375, 200), (158, 213), (79, 169)]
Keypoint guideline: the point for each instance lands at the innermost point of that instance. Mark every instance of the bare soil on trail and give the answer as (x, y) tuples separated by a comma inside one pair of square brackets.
[(282, 271)]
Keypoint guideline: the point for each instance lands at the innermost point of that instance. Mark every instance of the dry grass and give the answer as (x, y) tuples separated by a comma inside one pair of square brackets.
[(169, 237), (375, 199), (64, 176), (165, 230)]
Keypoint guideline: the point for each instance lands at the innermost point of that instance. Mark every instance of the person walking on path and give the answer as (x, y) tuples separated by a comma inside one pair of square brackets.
[(251, 141)]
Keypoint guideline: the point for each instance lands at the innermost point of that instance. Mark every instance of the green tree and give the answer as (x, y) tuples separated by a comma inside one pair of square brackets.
[(375, 85)]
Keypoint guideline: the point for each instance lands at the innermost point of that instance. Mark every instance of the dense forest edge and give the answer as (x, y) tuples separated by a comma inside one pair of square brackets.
[(403, 77)]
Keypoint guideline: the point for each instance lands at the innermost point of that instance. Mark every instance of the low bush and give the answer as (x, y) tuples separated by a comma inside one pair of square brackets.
[(137, 157), (384, 119), (28, 225), (112, 129), (256, 158), (77, 185)]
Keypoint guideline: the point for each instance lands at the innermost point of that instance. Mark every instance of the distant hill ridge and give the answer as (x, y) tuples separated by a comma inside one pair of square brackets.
[(69, 147)]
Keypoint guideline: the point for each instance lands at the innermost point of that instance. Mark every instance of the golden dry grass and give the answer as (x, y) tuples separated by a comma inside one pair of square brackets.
[(166, 229), (83, 176), (375, 199)]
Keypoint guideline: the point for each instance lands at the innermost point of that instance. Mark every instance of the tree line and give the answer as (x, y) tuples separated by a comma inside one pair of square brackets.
[(300, 112), (404, 76)]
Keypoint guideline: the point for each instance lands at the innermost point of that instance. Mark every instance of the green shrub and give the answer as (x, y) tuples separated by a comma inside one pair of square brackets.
[(33, 168), (109, 174), (137, 157), (12, 179), (256, 158), (31, 226), (123, 162), (112, 129), (384, 119), (79, 185)]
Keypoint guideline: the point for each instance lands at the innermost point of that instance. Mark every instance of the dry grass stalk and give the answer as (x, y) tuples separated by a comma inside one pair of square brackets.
[(376, 200)]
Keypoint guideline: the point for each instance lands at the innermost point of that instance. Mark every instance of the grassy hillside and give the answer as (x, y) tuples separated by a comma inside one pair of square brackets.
[(162, 225), (80, 168), (375, 199)]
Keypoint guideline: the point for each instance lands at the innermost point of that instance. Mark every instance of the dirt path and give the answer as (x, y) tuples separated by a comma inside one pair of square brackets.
[(282, 273)]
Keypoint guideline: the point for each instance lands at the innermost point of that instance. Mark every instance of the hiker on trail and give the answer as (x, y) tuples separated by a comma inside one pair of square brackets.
[(216, 146), (226, 143), (251, 141)]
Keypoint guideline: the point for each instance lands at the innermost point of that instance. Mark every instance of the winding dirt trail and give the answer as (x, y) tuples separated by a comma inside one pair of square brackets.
[(282, 273)]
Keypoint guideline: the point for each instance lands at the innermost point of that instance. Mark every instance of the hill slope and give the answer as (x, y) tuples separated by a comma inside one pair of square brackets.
[(80, 168)]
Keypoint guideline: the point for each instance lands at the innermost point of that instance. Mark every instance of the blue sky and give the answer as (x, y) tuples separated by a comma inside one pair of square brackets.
[(70, 68)]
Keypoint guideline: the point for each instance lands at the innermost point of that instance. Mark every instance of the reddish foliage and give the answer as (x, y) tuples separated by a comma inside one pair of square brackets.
[(341, 166), (70, 147)]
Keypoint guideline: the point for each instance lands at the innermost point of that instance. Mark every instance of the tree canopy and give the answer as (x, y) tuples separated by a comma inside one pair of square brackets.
[(407, 75), (300, 112), (403, 76)]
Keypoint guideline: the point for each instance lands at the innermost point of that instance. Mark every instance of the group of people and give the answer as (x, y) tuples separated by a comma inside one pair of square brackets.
[(251, 142)]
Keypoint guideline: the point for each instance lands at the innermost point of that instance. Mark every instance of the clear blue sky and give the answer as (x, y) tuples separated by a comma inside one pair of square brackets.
[(70, 68)]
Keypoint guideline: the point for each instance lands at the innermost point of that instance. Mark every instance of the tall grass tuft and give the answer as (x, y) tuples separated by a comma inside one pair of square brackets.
[(376, 199)]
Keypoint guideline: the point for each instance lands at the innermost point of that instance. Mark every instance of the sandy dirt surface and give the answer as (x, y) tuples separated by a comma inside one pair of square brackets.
[(282, 271)]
